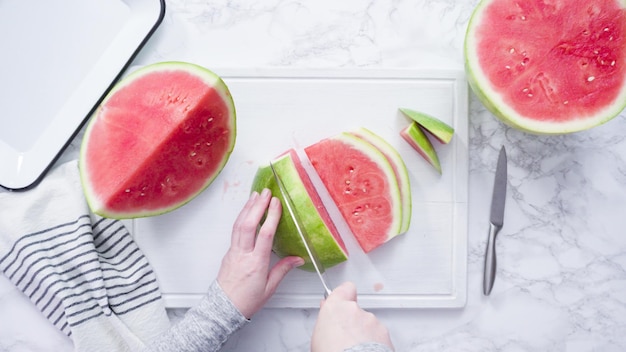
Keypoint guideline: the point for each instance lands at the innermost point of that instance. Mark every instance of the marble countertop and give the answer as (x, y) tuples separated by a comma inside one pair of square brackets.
[(561, 279)]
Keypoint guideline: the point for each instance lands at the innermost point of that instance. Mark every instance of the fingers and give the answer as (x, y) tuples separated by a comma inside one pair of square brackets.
[(265, 238), (346, 291), (240, 218), (245, 228), (280, 270)]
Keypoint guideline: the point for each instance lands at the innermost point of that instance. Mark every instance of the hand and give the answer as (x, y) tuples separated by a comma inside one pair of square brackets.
[(245, 275), (342, 324)]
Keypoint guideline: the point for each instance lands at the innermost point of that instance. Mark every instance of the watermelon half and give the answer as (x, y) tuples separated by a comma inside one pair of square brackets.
[(158, 139), (363, 185), (549, 67), (312, 214)]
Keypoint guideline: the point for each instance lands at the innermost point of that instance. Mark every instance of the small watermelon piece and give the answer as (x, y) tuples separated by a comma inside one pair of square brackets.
[(416, 137), (399, 168), (158, 139), (439, 129), (309, 208), (548, 67), (362, 184)]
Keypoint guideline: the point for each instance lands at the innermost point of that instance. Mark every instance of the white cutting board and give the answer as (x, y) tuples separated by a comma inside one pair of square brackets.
[(289, 108)]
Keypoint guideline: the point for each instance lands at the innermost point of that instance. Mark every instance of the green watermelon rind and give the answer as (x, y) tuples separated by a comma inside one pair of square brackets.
[(493, 101), (402, 175), (439, 129), (211, 79), (415, 136), (287, 242)]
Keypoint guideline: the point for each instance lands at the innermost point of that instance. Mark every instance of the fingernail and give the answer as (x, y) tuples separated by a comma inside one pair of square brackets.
[(297, 263), (254, 194), (265, 193)]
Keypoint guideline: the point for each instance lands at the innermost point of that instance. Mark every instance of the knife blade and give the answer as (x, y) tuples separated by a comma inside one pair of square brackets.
[(317, 264), (496, 221)]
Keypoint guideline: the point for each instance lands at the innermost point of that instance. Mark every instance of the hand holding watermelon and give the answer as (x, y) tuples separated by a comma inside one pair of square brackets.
[(244, 275)]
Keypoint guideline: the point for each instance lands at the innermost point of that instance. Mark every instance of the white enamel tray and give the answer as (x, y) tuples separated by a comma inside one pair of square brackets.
[(54, 69), (281, 109)]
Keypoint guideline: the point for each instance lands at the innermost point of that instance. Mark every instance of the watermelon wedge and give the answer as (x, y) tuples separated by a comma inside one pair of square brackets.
[(415, 136), (158, 139), (313, 215), (549, 67), (399, 169), (437, 128), (363, 185)]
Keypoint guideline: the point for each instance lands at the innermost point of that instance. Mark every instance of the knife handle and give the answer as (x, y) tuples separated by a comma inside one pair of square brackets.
[(490, 260)]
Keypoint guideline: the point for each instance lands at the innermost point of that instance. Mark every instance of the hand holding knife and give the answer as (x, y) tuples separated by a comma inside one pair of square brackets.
[(496, 221)]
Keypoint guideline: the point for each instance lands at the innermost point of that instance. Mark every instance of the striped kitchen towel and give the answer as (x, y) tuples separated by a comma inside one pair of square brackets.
[(83, 272)]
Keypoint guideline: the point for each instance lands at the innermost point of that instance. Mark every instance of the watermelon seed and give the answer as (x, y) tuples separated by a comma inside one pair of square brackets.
[(210, 119), (512, 51), (507, 67), (127, 190), (525, 61), (192, 154), (566, 102), (523, 18), (347, 182), (208, 144), (590, 78)]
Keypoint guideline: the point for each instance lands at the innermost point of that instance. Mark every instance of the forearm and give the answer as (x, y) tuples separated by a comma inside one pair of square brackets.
[(369, 347), (205, 327)]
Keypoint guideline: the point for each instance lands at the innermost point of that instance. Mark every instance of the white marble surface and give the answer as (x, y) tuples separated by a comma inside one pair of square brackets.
[(561, 281)]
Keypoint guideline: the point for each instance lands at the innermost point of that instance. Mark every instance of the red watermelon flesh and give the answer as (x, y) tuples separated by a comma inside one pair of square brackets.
[(549, 67), (362, 184), (158, 139), (399, 169), (315, 198)]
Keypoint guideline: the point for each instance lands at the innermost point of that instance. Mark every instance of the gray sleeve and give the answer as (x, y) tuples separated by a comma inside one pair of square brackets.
[(205, 327), (369, 347)]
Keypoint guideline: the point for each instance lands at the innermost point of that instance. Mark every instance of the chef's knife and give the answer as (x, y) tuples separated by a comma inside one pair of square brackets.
[(317, 264), (496, 220)]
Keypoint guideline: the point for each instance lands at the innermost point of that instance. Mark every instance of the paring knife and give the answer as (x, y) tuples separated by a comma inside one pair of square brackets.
[(496, 220), (317, 264)]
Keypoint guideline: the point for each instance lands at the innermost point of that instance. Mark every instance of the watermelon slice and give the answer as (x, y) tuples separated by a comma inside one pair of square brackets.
[(363, 185), (158, 139), (313, 215), (399, 168), (439, 129), (549, 67), (414, 135)]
